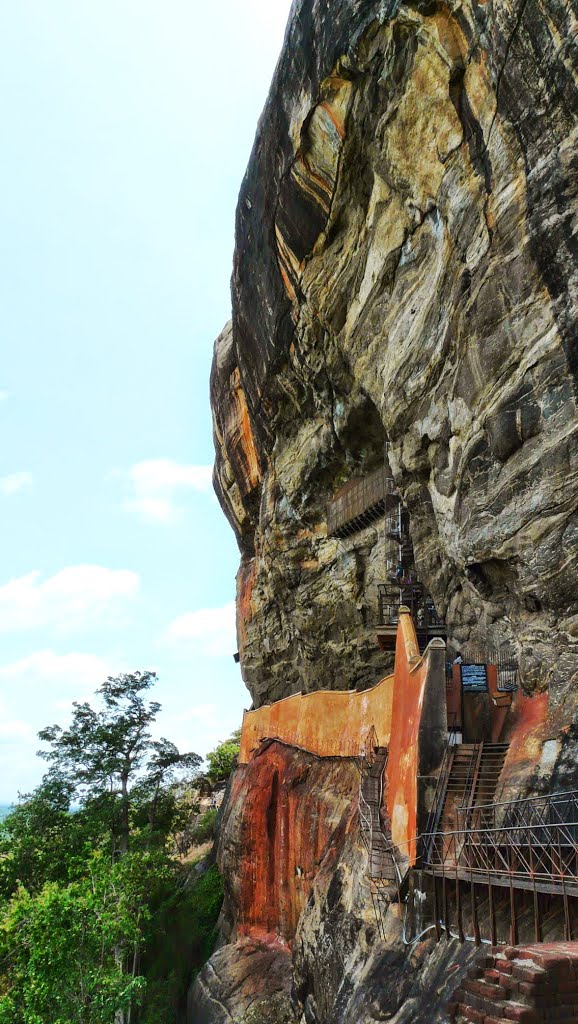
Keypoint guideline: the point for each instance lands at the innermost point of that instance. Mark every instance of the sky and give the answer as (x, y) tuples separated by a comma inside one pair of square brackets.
[(126, 129)]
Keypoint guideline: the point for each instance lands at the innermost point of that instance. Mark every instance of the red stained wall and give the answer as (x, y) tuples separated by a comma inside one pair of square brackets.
[(403, 762), (287, 812)]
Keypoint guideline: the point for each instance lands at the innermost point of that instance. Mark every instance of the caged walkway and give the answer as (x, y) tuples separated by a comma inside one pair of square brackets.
[(529, 845)]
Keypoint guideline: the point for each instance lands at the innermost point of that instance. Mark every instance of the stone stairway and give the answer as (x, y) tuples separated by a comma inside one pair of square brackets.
[(536, 984)]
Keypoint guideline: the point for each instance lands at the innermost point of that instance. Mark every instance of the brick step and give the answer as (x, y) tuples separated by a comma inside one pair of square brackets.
[(536, 984), (486, 1012), (496, 993)]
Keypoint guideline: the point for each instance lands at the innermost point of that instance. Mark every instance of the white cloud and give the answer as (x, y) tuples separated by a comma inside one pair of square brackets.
[(13, 730), (15, 482), (4, 395), (207, 631), (202, 726), (75, 596), (77, 669), (155, 485)]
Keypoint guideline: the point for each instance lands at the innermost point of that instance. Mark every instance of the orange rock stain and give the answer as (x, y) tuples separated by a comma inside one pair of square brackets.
[(239, 435)]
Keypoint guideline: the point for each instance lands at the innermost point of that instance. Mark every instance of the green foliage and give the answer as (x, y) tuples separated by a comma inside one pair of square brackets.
[(204, 829), (185, 938), (205, 900), (73, 950), (222, 757), (89, 895), (107, 751), (41, 841)]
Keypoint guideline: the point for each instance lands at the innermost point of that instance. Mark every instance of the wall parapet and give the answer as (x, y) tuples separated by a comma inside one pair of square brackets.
[(335, 723), (329, 723)]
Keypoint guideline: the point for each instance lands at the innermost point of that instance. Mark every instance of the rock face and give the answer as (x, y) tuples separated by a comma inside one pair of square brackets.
[(287, 812), (406, 275), (239, 977), (405, 268)]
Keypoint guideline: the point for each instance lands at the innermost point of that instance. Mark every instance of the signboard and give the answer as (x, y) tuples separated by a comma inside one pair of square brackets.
[(474, 678)]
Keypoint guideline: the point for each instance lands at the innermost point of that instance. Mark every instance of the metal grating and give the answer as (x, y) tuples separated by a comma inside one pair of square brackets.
[(360, 502)]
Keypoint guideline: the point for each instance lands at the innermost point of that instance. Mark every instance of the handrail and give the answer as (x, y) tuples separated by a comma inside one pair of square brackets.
[(365, 811), (502, 828), (524, 856), (545, 798), (443, 777)]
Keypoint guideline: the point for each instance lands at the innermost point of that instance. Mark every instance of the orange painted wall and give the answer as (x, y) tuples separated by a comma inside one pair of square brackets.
[(402, 764), (336, 723), (325, 722)]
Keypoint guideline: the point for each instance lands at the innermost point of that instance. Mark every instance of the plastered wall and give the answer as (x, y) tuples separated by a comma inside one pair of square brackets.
[(325, 722)]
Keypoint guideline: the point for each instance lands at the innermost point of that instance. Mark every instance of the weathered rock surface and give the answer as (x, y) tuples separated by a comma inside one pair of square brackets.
[(287, 813), (405, 271), (237, 978), (298, 916), (406, 268)]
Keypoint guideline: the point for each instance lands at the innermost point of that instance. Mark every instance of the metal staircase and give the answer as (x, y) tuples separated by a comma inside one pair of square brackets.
[(485, 786), (382, 870), (472, 778), (381, 863)]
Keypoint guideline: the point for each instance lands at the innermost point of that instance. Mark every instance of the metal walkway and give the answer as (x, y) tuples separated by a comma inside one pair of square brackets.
[(383, 874), (529, 845)]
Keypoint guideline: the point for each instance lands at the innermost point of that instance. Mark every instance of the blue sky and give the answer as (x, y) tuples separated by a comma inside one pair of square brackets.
[(127, 125)]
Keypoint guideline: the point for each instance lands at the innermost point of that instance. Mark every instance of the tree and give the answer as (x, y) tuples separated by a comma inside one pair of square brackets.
[(73, 951), (222, 758), (42, 841), (104, 752), (155, 792), (77, 924)]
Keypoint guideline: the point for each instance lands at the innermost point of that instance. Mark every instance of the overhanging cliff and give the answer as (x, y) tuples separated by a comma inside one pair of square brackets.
[(405, 280), (405, 269)]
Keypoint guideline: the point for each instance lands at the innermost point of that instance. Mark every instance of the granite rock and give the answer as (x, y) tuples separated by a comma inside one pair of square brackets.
[(405, 270), (405, 274)]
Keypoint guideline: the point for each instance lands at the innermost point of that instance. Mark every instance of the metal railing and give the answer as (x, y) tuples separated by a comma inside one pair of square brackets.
[(443, 777), (382, 863), (411, 593), (348, 749), (536, 811), (526, 844), (481, 651)]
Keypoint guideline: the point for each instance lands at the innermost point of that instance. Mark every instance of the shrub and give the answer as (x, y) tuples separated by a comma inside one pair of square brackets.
[(222, 757), (204, 829)]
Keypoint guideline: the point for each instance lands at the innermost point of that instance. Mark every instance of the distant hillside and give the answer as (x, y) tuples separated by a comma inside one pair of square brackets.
[(4, 810)]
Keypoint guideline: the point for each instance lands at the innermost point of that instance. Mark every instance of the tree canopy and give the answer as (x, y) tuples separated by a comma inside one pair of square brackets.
[(104, 752), (88, 880), (222, 758)]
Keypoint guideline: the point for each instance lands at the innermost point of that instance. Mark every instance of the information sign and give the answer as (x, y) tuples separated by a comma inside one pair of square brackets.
[(474, 678)]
